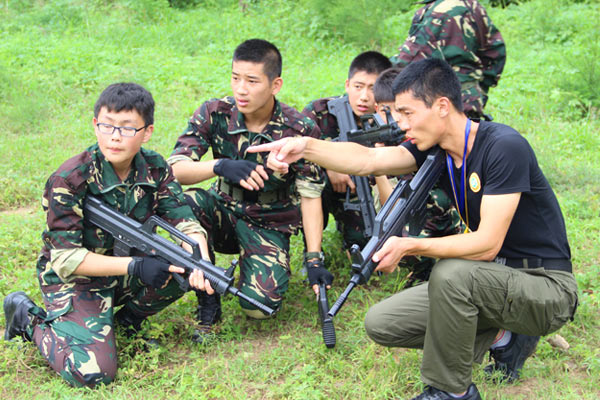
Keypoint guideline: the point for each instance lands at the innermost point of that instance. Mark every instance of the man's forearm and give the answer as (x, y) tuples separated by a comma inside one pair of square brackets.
[(469, 246), (312, 221), (100, 265), (191, 172), (354, 159)]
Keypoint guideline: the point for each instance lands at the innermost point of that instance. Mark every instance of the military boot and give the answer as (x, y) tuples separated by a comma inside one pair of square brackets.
[(509, 359), (208, 314), (16, 307)]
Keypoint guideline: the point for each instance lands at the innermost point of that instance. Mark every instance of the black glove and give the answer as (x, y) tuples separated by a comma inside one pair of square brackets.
[(234, 170), (150, 270), (317, 273)]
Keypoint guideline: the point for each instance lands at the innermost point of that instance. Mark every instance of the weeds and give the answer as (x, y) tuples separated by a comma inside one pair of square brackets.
[(56, 56)]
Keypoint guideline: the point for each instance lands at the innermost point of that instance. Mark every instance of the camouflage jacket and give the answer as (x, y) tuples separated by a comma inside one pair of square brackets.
[(317, 111), (150, 189), (220, 126), (460, 32)]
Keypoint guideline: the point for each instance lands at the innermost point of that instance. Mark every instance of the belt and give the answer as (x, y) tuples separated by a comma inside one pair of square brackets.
[(238, 193), (558, 264)]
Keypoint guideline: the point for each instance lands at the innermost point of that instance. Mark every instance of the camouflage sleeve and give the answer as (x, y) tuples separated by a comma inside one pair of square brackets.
[(63, 236), (309, 111), (415, 46), (172, 206), (310, 178), (64, 261), (317, 111), (195, 139)]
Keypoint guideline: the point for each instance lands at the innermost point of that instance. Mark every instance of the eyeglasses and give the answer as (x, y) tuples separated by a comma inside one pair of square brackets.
[(125, 131)]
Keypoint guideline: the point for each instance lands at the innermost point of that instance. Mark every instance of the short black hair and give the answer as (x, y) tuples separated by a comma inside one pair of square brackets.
[(382, 89), (261, 52), (371, 62), (428, 80), (126, 97)]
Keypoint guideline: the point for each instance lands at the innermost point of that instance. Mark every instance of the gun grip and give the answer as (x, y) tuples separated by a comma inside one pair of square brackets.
[(183, 283)]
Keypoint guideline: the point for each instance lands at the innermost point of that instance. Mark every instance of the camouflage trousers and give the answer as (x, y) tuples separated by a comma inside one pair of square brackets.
[(349, 222), (76, 332), (264, 253)]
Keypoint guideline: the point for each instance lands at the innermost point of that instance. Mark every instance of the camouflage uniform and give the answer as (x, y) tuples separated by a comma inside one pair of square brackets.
[(460, 32), (76, 332), (256, 224), (350, 222)]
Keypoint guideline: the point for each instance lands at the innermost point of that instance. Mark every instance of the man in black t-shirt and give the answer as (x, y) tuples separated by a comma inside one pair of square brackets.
[(498, 286)]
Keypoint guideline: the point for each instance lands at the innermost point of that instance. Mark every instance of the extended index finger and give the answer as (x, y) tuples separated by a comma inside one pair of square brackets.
[(263, 147)]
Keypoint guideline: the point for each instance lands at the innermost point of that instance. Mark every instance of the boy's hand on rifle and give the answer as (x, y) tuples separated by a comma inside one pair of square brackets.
[(340, 182), (152, 271), (317, 274), (197, 281), (196, 278)]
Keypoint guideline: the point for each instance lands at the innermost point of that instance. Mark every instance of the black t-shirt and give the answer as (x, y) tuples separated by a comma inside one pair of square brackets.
[(502, 162)]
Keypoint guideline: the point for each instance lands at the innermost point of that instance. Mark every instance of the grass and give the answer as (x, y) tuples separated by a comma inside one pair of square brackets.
[(57, 55)]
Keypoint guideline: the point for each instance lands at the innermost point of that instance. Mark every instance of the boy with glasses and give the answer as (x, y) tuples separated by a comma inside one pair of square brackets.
[(80, 279)]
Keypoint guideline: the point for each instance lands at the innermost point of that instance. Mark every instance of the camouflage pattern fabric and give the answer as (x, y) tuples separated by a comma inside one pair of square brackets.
[(264, 253), (460, 32), (219, 125), (76, 333), (349, 222), (150, 189)]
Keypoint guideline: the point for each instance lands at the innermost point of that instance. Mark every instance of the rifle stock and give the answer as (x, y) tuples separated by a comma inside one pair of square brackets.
[(327, 327), (405, 204), (133, 237)]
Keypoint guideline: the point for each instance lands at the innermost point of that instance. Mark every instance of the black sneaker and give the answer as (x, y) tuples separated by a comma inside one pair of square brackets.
[(431, 393), (509, 359), (16, 306), (207, 315)]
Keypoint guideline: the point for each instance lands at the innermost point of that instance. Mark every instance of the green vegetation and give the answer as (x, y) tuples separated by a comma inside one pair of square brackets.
[(57, 55)]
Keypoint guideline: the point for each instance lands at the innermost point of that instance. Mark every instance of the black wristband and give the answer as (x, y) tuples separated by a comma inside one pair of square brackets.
[(310, 255)]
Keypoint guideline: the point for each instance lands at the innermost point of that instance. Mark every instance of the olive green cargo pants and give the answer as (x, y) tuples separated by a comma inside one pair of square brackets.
[(456, 315)]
